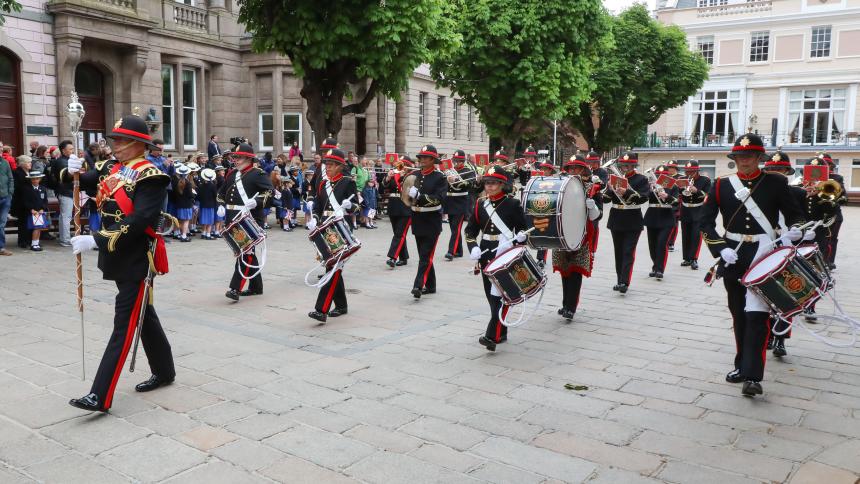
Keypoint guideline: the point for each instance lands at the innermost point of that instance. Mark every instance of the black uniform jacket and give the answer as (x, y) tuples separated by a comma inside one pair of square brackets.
[(427, 208), (770, 192), (122, 241), (459, 199), (257, 184), (342, 188), (396, 207), (694, 214), (842, 200), (637, 194), (661, 213), (509, 211)]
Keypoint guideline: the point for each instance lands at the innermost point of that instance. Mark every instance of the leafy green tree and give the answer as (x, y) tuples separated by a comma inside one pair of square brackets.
[(8, 6), (646, 70), (521, 62), (348, 50)]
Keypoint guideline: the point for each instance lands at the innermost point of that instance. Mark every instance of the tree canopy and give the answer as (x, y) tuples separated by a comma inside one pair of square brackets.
[(646, 70), (8, 6), (521, 62), (373, 45)]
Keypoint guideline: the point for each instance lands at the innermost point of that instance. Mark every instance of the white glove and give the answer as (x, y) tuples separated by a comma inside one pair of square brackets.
[(75, 164), (596, 179), (310, 205), (808, 235), (593, 211), (312, 224), (277, 195), (475, 254), (742, 194), (504, 244), (222, 211), (794, 234), (590, 203), (251, 204), (82, 243), (729, 256), (413, 192), (346, 205), (521, 237)]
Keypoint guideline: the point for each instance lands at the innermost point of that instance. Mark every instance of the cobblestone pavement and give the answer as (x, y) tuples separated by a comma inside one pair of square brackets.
[(399, 390)]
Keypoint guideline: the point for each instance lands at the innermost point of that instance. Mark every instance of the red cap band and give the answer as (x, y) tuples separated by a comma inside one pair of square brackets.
[(748, 148), (243, 153), (132, 133)]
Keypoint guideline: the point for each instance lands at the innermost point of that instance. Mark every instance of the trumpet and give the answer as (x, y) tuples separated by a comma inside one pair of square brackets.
[(612, 166), (460, 179)]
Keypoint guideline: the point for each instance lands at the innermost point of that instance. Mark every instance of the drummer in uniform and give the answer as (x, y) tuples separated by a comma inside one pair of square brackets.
[(500, 221), (399, 214), (692, 202), (548, 169), (572, 265), (660, 221), (779, 162), (332, 200), (625, 217), (329, 143), (672, 167), (458, 203), (246, 190), (750, 202), (428, 194)]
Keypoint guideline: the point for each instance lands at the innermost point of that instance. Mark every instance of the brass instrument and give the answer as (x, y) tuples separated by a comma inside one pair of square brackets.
[(652, 180), (828, 192), (477, 174), (612, 166)]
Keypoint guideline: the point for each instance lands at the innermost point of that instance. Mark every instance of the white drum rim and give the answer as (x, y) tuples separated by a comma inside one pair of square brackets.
[(754, 274), (504, 259)]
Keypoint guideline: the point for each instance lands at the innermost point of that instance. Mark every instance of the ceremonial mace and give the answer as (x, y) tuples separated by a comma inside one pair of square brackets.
[(75, 112)]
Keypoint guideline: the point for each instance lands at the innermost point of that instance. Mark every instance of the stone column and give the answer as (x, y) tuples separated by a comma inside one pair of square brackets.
[(401, 122), (178, 132), (277, 111)]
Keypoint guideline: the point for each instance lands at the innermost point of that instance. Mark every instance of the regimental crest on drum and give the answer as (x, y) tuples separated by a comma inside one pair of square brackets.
[(333, 239), (542, 203), (239, 236), (523, 277), (794, 283)]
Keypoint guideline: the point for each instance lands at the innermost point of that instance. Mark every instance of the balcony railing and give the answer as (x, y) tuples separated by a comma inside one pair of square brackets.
[(190, 18), (753, 6), (670, 141), (122, 4)]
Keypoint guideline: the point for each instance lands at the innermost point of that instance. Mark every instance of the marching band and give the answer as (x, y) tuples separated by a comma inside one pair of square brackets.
[(763, 217)]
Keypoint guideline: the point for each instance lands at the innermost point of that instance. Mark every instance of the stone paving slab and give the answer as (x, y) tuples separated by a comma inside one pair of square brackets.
[(399, 391)]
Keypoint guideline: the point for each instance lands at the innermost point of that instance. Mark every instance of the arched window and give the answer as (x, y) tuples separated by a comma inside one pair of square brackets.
[(88, 80), (10, 100)]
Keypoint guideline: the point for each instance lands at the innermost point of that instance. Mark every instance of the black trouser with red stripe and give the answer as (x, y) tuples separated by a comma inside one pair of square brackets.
[(570, 289), (426, 276), (674, 233), (155, 344), (397, 250), (496, 331), (751, 328), (691, 239), (832, 243), (332, 291), (247, 267), (455, 244), (658, 247), (624, 242)]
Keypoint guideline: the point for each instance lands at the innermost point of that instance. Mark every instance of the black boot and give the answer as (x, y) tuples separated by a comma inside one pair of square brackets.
[(751, 388), (153, 383), (694, 264), (232, 294), (488, 343), (88, 402), (391, 262), (337, 312), (734, 376), (779, 347), (319, 316)]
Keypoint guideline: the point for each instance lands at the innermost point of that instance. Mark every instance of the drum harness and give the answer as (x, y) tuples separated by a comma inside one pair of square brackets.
[(839, 313), (338, 265), (262, 260), (494, 291)]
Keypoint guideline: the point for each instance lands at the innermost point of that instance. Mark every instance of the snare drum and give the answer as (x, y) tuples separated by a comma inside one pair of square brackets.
[(555, 207), (782, 279), (334, 240), (516, 274), (243, 234), (815, 262)]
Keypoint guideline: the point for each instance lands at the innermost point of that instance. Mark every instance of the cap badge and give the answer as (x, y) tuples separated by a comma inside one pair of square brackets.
[(328, 153), (118, 123), (821, 156), (626, 157), (745, 141), (776, 157)]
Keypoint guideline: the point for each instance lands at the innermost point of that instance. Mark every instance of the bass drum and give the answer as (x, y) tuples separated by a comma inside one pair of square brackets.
[(555, 207)]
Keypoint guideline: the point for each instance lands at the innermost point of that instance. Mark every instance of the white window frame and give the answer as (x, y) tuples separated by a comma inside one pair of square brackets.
[(697, 106), (712, 3), (707, 40), (171, 107), (284, 130), (260, 131), (422, 111), (759, 47), (469, 124), (798, 96), (816, 40), (192, 109), (455, 124), (440, 113)]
